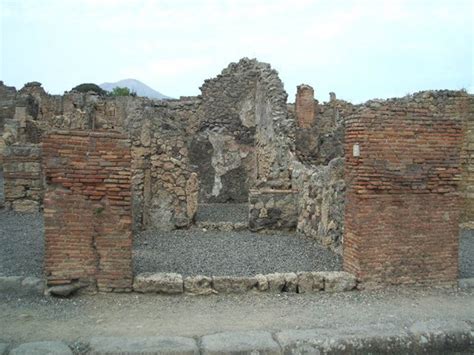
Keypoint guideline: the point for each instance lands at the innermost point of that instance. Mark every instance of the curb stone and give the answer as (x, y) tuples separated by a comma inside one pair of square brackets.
[(245, 342), (143, 345), (22, 285), (420, 338), (466, 283), (42, 348)]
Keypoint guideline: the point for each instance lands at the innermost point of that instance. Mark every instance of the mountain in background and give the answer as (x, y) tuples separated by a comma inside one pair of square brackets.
[(136, 86)]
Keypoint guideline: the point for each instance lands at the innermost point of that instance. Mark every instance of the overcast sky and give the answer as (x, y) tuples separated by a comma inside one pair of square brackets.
[(358, 49)]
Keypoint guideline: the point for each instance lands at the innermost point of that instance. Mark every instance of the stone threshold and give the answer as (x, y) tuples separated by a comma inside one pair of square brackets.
[(423, 337), (172, 283), (300, 282)]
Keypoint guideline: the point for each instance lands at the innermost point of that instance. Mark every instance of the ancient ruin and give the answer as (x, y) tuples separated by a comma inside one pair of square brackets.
[(385, 184)]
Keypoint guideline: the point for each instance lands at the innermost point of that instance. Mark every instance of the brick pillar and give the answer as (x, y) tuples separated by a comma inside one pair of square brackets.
[(305, 106), (402, 204), (87, 210)]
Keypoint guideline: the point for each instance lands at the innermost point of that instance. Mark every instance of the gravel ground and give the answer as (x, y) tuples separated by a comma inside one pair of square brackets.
[(21, 240), (192, 252), (223, 212), (466, 253)]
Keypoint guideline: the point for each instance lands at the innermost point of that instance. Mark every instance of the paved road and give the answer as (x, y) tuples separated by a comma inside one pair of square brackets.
[(82, 317)]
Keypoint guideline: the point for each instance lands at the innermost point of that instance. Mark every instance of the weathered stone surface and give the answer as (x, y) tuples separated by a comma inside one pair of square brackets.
[(42, 348), (383, 338), (310, 282), (247, 342), (233, 284), (143, 345), (338, 281), (33, 285), (198, 285), (192, 195), (449, 335), (321, 202), (291, 282), (276, 282), (466, 283), (262, 282), (3, 348), (169, 283), (65, 290), (11, 283), (272, 209)]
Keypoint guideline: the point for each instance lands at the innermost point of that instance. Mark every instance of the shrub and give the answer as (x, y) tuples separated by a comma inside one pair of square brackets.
[(118, 91), (86, 87)]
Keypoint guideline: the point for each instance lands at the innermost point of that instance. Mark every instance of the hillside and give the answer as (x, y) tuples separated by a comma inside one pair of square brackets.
[(137, 86)]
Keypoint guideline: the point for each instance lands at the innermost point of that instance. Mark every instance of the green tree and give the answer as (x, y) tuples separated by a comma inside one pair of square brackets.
[(118, 91), (87, 87)]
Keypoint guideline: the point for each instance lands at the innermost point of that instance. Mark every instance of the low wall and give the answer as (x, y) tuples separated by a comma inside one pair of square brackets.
[(87, 210)]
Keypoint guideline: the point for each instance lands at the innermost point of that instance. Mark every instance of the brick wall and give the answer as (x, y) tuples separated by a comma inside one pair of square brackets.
[(87, 210), (467, 182), (305, 106), (403, 208), (23, 185)]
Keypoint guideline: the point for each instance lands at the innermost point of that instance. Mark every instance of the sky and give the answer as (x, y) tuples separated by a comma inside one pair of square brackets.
[(359, 49)]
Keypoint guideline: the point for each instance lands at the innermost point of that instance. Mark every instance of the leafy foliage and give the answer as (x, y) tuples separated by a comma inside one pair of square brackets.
[(86, 87), (118, 91)]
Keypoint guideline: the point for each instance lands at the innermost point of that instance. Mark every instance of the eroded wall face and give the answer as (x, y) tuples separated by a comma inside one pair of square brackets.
[(87, 210), (402, 173), (23, 182), (467, 182)]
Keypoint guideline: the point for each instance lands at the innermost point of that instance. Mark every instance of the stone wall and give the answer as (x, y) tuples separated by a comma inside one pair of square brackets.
[(272, 209), (243, 138), (320, 202), (23, 183), (402, 174), (322, 140), (87, 210)]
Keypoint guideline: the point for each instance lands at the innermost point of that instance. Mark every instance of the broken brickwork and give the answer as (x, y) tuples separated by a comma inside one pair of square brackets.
[(402, 174), (87, 210)]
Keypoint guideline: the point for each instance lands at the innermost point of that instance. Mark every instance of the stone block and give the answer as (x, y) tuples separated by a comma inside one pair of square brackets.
[(11, 284), (310, 282), (338, 281), (245, 342), (25, 206), (168, 283), (42, 348), (143, 345), (33, 285), (466, 283), (262, 282), (291, 282), (198, 285), (233, 284), (276, 282)]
